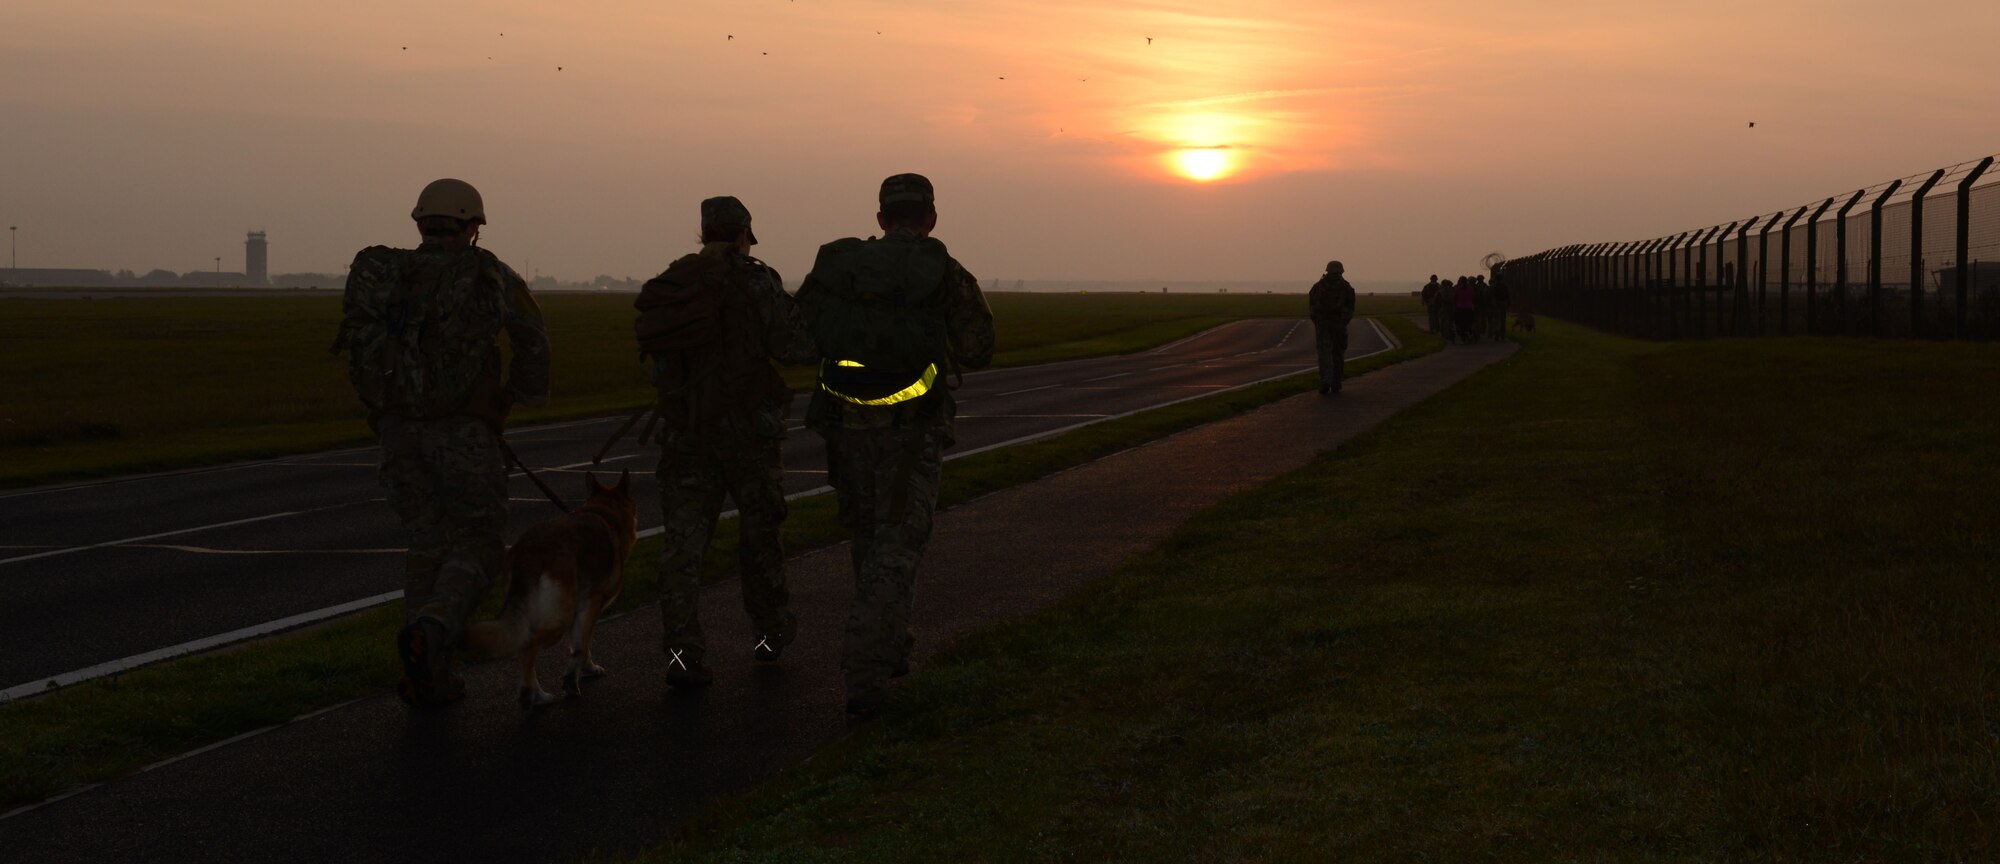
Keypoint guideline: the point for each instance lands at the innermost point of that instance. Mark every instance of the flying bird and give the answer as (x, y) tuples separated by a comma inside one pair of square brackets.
[(1753, 124), (558, 68), (1149, 40), (732, 36)]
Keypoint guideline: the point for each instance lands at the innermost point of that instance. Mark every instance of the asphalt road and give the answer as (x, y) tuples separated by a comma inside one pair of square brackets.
[(98, 572)]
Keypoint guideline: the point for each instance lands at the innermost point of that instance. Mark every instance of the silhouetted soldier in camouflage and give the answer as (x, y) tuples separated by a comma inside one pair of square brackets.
[(1331, 302), (893, 318), (422, 328), (713, 324)]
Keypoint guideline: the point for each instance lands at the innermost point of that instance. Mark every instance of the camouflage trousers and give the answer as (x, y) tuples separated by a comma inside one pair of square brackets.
[(1331, 340), (448, 484), (886, 481), (694, 475)]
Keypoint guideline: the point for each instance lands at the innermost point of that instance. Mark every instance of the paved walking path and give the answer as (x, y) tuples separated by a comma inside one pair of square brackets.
[(627, 764)]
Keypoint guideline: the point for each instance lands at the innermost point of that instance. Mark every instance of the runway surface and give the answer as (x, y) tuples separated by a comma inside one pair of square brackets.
[(103, 573)]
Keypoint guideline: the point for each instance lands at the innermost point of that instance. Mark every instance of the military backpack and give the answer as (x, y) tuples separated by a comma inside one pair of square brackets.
[(699, 324), (421, 332), (878, 313)]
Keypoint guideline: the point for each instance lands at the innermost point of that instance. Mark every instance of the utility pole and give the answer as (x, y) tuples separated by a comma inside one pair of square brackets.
[(218, 271), (13, 262)]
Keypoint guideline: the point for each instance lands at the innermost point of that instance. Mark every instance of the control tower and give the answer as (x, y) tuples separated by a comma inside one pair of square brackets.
[(255, 270)]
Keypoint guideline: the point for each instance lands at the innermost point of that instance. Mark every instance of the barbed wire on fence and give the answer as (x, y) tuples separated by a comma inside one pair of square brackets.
[(1914, 256)]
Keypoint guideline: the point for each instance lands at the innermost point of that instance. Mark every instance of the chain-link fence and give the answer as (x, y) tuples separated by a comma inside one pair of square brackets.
[(1913, 257)]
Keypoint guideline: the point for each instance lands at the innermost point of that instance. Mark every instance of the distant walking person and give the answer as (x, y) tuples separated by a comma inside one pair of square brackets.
[(714, 324), (1498, 299), (1430, 301), (893, 318), (422, 327), (1331, 303), (1465, 309)]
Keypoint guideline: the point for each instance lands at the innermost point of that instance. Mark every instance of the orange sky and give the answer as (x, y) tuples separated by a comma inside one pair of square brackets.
[(1404, 137)]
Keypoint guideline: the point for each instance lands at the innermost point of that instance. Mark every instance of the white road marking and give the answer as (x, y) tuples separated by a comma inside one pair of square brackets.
[(205, 550), (587, 464), (1029, 390), (1105, 377), (1165, 368), (73, 549), (1023, 416), (122, 664)]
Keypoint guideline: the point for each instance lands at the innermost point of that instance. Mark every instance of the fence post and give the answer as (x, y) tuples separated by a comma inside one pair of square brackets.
[(1962, 274), (1785, 271), (1739, 316), (1812, 268), (1841, 311), (1875, 259), (1917, 254), (1764, 273), (1701, 278)]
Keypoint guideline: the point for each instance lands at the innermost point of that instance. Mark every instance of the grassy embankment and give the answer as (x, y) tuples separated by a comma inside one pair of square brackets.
[(105, 387), (109, 727), (1609, 601)]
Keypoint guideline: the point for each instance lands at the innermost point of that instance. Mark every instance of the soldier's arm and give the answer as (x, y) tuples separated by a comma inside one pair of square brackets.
[(528, 336), (970, 325), (786, 336)]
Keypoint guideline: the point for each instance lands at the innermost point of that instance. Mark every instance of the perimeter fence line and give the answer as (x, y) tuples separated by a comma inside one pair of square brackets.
[(1914, 257)]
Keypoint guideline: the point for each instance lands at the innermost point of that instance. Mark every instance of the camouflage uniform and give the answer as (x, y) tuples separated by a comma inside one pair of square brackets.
[(441, 462), (884, 463), (1331, 302), (740, 456)]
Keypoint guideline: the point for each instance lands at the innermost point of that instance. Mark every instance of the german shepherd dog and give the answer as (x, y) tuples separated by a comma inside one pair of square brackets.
[(560, 576)]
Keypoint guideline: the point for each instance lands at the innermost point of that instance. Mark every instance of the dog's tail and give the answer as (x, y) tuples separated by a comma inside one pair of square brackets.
[(503, 635)]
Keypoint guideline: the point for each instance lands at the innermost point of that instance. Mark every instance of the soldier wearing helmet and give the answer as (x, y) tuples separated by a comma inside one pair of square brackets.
[(421, 327), (1331, 303)]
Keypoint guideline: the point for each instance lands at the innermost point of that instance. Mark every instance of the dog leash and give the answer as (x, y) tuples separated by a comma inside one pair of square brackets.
[(624, 428), (516, 462)]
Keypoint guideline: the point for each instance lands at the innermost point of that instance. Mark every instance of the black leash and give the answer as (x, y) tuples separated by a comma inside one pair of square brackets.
[(622, 429), (516, 462)]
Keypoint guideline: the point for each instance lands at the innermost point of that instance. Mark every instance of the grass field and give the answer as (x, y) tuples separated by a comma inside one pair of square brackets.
[(119, 386), (1607, 601), (110, 726)]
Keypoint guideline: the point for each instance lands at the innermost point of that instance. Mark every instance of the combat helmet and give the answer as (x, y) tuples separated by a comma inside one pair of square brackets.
[(453, 198)]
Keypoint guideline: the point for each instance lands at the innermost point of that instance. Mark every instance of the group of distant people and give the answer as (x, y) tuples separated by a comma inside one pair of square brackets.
[(1468, 308), (887, 322)]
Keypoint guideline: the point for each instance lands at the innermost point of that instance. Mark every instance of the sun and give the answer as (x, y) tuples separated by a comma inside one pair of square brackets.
[(1202, 164)]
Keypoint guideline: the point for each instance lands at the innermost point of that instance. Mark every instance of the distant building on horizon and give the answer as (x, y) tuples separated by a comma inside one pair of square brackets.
[(255, 269)]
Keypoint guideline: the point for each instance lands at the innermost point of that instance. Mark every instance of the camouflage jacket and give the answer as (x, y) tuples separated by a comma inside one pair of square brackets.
[(430, 319), (969, 333), (782, 337), (1331, 300)]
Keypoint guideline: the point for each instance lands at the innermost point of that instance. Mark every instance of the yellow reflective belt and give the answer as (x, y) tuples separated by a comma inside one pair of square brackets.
[(920, 387)]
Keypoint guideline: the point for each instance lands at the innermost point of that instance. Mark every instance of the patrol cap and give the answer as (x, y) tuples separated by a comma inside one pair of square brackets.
[(907, 187), (726, 210), (454, 198), (1335, 267)]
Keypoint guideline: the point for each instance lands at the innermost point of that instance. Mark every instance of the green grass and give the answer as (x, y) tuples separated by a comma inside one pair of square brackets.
[(105, 387), (111, 726), (1607, 601)]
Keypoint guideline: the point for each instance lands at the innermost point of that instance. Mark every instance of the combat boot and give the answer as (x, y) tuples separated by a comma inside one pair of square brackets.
[(685, 668), (771, 643), (428, 681)]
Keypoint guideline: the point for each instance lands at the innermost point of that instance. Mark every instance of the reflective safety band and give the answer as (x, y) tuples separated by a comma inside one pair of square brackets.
[(916, 389)]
